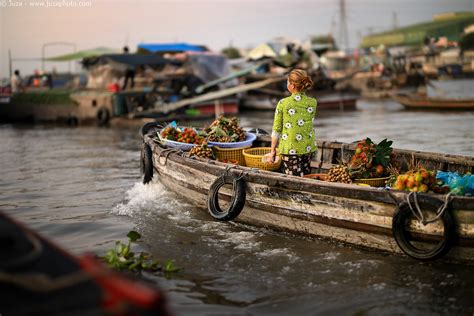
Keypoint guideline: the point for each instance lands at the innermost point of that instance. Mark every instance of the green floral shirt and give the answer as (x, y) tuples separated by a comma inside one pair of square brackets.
[(293, 124)]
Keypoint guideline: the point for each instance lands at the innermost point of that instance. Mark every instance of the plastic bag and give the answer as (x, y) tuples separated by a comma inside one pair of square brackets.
[(458, 184)]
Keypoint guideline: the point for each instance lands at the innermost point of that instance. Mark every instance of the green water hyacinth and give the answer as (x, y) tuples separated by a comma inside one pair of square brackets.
[(122, 258)]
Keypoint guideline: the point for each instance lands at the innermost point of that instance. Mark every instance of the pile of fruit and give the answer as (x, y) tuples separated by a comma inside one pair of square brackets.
[(418, 180), (203, 151), (169, 133), (225, 130), (188, 135), (339, 174), (371, 160)]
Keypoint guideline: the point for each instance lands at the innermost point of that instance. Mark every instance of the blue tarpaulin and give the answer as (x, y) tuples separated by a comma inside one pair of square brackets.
[(175, 47)]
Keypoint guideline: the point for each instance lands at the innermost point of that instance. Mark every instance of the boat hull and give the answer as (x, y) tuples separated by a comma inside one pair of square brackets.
[(425, 103), (358, 216), (330, 103)]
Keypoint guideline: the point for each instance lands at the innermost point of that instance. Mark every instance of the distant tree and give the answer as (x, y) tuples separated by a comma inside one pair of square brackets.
[(467, 42), (231, 52)]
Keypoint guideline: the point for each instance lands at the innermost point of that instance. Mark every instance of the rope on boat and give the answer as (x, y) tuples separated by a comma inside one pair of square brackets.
[(419, 214), (242, 174), (166, 152), (404, 238)]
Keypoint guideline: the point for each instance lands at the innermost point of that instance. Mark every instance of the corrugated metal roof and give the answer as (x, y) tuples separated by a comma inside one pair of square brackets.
[(84, 54), (449, 25)]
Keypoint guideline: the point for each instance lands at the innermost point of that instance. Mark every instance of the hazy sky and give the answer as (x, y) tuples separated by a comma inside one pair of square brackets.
[(215, 23)]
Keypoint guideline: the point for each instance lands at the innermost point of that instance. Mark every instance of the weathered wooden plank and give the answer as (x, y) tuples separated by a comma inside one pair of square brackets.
[(309, 185), (268, 215), (353, 213)]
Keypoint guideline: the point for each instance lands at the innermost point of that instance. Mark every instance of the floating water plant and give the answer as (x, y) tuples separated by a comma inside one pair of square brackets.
[(122, 258)]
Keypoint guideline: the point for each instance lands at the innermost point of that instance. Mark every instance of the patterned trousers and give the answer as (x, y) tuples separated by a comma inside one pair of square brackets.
[(296, 165)]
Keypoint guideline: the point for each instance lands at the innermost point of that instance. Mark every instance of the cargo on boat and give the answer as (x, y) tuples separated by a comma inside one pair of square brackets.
[(365, 216)]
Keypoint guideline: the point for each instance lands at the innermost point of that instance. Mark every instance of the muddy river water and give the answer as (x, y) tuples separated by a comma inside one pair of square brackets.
[(81, 187)]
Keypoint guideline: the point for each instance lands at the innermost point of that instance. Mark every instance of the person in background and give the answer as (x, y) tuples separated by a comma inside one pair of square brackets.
[(129, 73), (293, 126), (16, 82)]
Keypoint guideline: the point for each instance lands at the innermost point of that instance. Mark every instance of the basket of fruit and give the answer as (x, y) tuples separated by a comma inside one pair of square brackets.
[(180, 138), (226, 133), (246, 143), (230, 154), (373, 182), (254, 158), (371, 162)]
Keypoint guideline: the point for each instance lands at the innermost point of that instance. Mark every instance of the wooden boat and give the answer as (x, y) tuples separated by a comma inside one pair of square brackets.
[(40, 278), (358, 215), (420, 102)]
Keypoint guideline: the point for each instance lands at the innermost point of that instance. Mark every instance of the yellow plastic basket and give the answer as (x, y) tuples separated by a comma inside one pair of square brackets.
[(230, 154), (253, 158), (373, 182)]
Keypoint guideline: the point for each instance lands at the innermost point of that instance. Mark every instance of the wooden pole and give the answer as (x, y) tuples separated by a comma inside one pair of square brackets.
[(10, 67), (166, 108)]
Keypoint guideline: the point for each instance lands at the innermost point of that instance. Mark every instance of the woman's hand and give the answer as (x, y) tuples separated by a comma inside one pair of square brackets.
[(272, 155)]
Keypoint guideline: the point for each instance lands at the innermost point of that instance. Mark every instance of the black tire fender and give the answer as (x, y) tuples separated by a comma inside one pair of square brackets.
[(146, 163), (404, 212), (145, 129), (103, 116), (237, 202)]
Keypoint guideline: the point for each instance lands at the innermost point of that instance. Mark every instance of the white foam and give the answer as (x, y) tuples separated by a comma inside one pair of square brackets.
[(237, 238), (274, 252), (284, 252), (149, 197), (330, 256), (379, 286), (247, 245)]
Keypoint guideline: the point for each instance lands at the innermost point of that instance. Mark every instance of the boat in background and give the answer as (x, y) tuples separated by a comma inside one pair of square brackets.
[(440, 95), (423, 102), (332, 102)]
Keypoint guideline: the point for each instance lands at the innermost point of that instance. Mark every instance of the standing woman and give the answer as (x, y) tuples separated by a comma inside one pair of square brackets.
[(293, 126)]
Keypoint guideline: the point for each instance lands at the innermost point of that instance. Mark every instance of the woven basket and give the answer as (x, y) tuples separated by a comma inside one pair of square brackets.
[(373, 182), (230, 154), (243, 144), (253, 158)]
